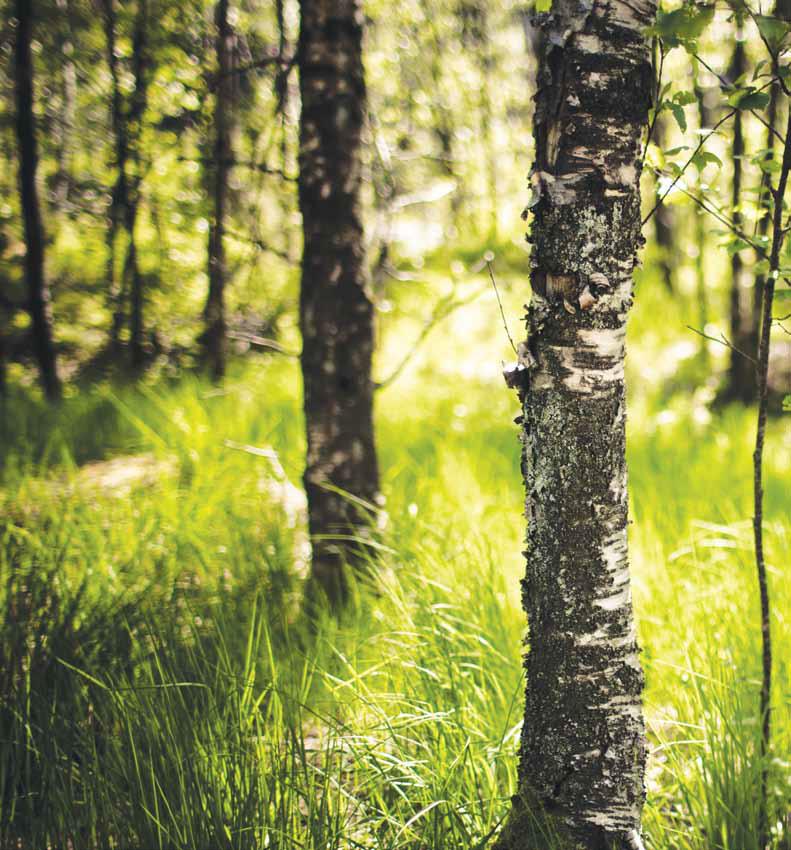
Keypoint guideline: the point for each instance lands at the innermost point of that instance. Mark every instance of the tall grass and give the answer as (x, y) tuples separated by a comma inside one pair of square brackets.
[(160, 688)]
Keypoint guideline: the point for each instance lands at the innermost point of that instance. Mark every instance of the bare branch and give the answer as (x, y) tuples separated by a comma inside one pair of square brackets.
[(443, 309), (686, 165), (722, 340), (262, 342), (697, 150), (500, 305)]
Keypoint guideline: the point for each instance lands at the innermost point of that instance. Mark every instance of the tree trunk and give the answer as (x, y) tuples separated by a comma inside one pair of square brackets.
[(137, 110), (65, 121), (125, 195), (38, 292), (664, 220), (583, 744), (741, 381), (120, 193), (336, 313), (214, 312)]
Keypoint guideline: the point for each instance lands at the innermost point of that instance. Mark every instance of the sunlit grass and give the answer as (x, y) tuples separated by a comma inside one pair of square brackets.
[(161, 690)]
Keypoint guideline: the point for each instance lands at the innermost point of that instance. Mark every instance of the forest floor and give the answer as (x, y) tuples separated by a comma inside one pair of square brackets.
[(161, 690)]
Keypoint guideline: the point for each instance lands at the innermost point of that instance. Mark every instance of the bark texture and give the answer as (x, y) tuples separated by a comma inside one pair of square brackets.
[(583, 744), (37, 289), (214, 312), (336, 313)]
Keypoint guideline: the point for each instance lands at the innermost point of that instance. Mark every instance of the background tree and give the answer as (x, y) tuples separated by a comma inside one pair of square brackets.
[(583, 742), (336, 312), (214, 312), (38, 291)]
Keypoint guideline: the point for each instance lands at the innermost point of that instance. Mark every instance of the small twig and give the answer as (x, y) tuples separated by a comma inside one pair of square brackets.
[(445, 307), (719, 216), (239, 163), (262, 342), (286, 63), (694, 154), (655, 116), (722, 340), (259, 244), (500, 305), (726, 85), (689, 162)]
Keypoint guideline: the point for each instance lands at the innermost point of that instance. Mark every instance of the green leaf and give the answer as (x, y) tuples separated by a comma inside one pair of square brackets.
[(543, 5), (749, 99), (683, 98), (704, 158), (682, 27), (736, 245), (774, 30), (678, 114), (787, 404)]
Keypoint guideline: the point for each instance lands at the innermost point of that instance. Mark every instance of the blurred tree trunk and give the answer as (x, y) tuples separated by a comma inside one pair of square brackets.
[(741, 379), (38, 291), (214, 313), (442, 119), (336, 313), (664, 220), (782, 11), (120, 192), (476, 39), (137, 108), (583, 742), (126, 125), (64, 127), (705, 120)]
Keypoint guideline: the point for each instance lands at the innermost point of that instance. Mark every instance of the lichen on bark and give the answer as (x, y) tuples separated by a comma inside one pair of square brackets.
[(583, 745)]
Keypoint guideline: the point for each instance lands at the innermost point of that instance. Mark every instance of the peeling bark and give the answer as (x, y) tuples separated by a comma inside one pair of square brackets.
[(336, 312), (37, 289), (583, 743)]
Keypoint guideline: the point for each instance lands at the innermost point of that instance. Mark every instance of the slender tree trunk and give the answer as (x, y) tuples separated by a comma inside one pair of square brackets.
[(64, 135), (762, 377), (664, 220), (136, 112), (38, 292), (119, 200), (741, 383), (214, 312), (701, 232), (583, 743), (336, 313)]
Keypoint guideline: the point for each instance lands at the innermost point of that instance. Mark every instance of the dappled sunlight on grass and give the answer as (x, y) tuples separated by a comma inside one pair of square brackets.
[(193, 705)]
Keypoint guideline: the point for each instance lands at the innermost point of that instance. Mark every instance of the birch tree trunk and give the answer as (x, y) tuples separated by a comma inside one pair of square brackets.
[(38, 291), (336, 313), (583, 744)]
